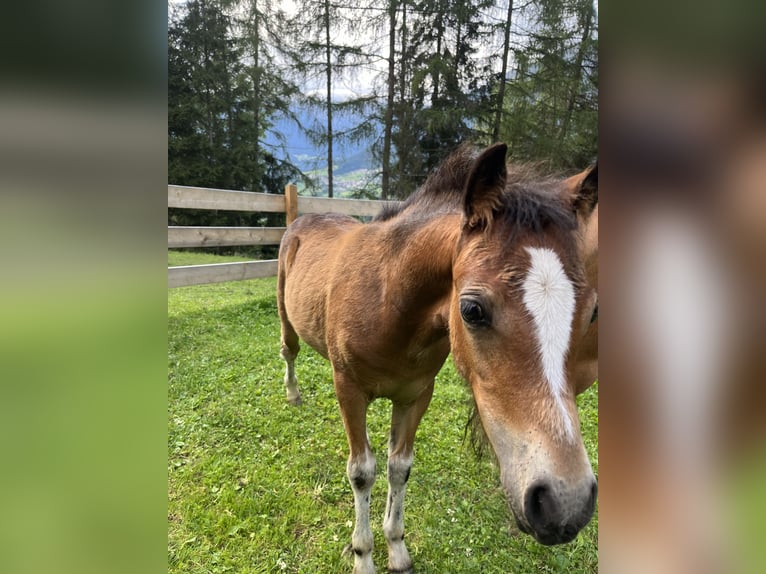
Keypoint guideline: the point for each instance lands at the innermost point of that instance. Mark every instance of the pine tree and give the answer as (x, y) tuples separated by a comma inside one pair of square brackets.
[(447, 81), (202, 59), (320, 25), (388, 116), (500, 99), (551, 112), (263, 32), (220, 103)]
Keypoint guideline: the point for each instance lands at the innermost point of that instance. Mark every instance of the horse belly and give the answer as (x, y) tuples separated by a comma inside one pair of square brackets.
[(307, 318), (311, 245)]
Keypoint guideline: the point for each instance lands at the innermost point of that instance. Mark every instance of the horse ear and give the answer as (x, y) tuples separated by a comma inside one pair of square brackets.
[(585, 193), (484, 189)]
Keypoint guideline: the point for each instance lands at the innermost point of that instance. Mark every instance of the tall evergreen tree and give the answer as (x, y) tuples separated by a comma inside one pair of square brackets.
[(224, 89), (500, 98), (552, 108), (446, 78), (263, 32), (220, 103), (203, 59), (404, 133), (327, 32), (388, 116), (232, 73)]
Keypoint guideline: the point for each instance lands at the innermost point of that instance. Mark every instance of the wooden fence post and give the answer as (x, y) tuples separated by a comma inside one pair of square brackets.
[(291, 202)]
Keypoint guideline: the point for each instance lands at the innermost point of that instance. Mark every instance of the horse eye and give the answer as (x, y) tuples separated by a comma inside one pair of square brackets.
[(472, 312)]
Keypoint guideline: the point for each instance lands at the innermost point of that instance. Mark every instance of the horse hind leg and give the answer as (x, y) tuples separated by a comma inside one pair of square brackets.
[(289, 338), (289, 352)]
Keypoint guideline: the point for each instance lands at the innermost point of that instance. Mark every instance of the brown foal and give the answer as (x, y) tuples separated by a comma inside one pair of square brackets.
[(483, 261)]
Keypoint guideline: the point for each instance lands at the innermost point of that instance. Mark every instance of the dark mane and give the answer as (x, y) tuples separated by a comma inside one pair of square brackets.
[(533, 203), (442, 189), (531, 200)]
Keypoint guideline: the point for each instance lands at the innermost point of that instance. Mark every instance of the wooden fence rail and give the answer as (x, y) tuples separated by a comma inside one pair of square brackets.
[(203, 198), (220, 272), (224, 199), (291, 204), (223, 236)]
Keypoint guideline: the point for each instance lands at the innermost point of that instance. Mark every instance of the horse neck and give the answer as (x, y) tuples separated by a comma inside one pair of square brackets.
[(423, 255)]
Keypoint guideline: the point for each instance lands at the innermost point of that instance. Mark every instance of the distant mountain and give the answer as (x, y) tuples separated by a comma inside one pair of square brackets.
[(360, 159), (354, 164)]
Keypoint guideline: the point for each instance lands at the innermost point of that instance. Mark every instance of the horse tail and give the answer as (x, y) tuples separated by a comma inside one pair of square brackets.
[(287, 249), (289, 338)]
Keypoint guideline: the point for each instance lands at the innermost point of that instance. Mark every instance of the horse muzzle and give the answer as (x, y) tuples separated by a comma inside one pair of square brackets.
[(553, 517)]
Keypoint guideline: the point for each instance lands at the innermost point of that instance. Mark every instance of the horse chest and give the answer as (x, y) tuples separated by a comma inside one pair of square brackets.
[(389, 362)]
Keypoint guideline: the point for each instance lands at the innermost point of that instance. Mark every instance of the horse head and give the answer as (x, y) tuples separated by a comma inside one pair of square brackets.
[(520, 303)]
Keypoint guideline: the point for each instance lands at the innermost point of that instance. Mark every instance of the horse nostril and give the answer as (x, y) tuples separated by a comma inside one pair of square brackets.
[(540, 506), (548, 519), (593, 496)]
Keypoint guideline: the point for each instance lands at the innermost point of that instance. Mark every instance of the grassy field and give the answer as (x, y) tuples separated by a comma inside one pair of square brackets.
[(255, 485), (176, 258)]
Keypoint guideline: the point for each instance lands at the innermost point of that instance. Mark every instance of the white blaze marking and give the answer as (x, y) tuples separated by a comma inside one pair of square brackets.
[(550, 299)]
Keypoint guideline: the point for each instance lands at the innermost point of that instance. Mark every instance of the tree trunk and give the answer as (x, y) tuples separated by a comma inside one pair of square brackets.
[(389, 115), (256, 76), (458, 47), (503, 73), (575, 86), (435, 76), (403, 116), (208, 89), (328, 64), (403, 63)]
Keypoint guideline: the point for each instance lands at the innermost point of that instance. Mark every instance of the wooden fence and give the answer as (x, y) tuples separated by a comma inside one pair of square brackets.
[(290, 203)]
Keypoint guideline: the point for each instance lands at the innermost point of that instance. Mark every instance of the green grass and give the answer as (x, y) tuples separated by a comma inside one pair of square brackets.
[(255, 485), (176, 258)]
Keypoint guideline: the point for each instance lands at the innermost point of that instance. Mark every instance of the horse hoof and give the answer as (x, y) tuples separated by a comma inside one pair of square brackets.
[(406, 570), (296, 402)]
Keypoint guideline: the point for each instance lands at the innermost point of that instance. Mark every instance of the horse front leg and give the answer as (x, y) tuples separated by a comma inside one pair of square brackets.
[(360, 469), (404, 422)]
